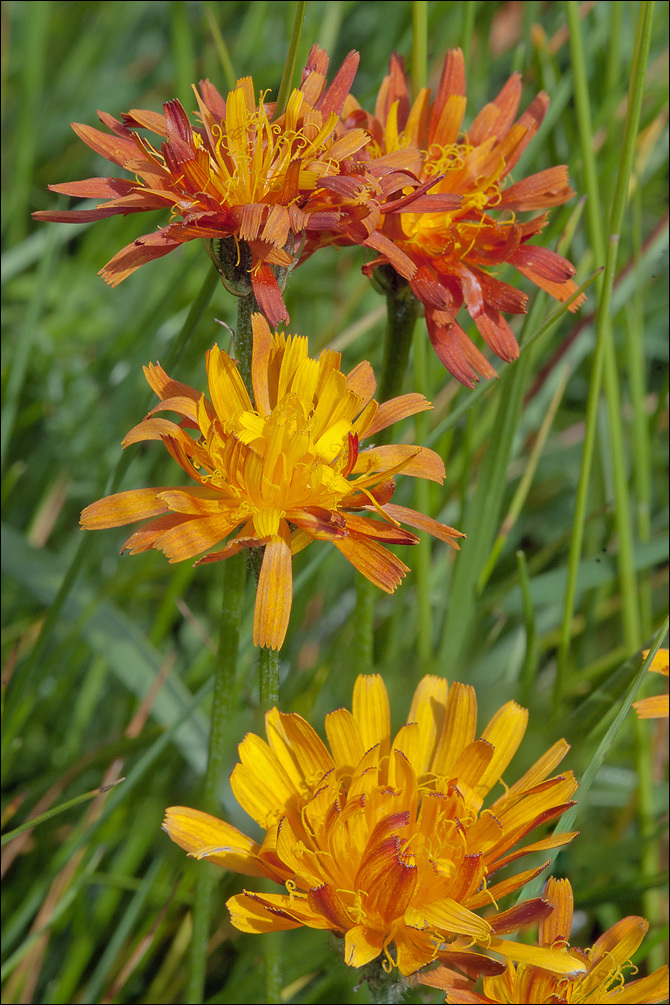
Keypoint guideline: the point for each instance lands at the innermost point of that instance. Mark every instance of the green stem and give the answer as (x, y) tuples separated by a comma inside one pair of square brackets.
[(422, 503), (402, 311), (244, 339), (269, 677), (291, 58), (234, 575)]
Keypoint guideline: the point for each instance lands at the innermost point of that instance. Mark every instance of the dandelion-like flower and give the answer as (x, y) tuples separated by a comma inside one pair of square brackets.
[(454, 252), (281, 472), (387, 842), (603, 978), (237, 174), (658, 705)]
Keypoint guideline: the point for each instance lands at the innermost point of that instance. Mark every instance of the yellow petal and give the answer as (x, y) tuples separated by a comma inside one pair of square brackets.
[(203, 836), (362, 944), (555, 961), (505, 731), (226, 387), (259, 783), (372, 712), (299, 749), (254, 914), (447, 916), (344, 738), (427, 710), (458, 729)]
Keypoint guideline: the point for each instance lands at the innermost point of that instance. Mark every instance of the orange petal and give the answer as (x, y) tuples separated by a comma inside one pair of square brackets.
[(380, 566), (559, 923), (260, 362), (195, 536), (397, 409), (419, 462), (426, 523), (655, 707), (275, 592), (123, 508)]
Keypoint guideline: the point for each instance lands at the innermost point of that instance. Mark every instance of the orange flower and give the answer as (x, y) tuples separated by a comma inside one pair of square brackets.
[(454, 251), (601, 981), (387, 842), (238, 174), (656, 707), (285, 472)]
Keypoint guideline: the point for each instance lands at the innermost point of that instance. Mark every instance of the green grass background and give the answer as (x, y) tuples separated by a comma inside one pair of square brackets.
[(96, 901)]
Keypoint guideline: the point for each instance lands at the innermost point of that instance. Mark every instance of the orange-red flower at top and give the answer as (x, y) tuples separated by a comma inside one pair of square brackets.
[(279, 473), (237, 174), (454, 252)]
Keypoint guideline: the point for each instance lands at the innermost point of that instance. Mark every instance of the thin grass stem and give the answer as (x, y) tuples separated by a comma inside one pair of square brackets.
[(604, 362), (291, 59)]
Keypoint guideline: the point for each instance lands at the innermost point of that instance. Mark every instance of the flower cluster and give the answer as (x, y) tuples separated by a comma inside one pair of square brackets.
[(391, 843), (407, 183), (285, 471), (402, 846), (601, 981)]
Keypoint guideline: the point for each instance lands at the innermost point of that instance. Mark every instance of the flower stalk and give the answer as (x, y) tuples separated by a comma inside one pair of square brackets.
[(220, 725)]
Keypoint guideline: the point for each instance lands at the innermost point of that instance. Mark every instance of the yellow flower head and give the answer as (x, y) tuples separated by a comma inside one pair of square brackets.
[(390, 843), (602, 979), (238, 173), (657, 706), (281, 472)]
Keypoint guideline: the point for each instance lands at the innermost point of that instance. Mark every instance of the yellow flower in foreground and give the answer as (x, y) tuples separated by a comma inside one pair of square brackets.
[(658, 706), (386, 841), (280, 474), (602, 981)]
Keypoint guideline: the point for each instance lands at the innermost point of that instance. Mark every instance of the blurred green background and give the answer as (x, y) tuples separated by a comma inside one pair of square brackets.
[(96, 900)]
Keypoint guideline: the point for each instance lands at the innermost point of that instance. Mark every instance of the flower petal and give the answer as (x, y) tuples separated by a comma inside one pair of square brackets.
[(275, 592)]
